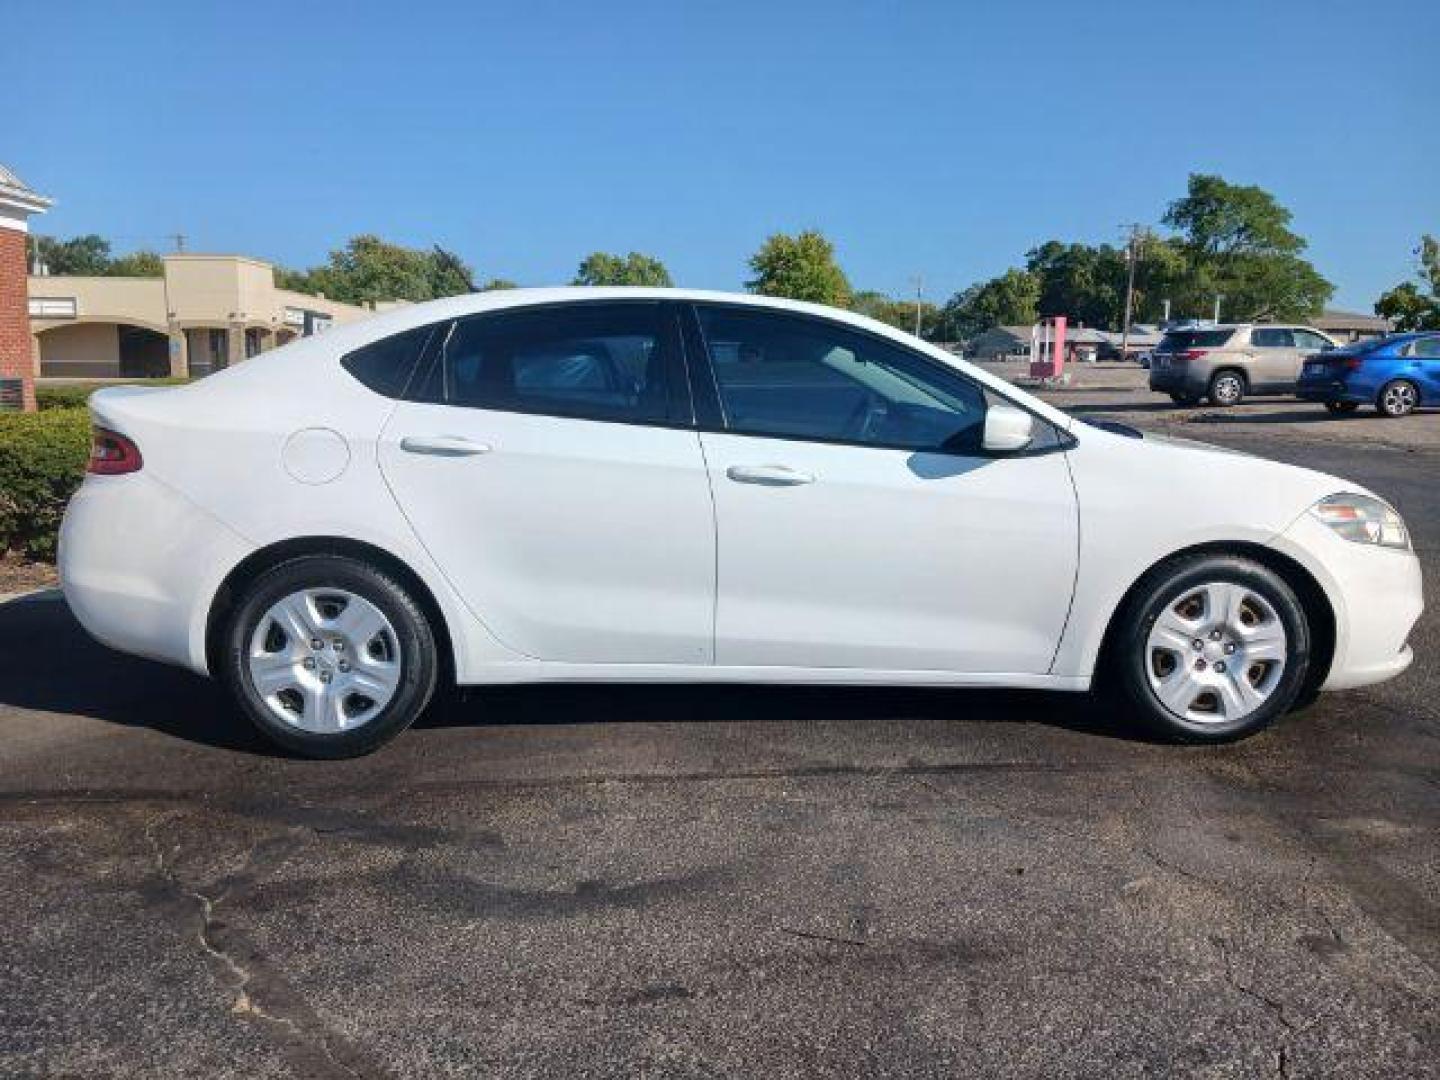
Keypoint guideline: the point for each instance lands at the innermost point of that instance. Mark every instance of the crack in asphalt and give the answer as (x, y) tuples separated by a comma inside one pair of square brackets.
[(1275, 1007), (242, 978)]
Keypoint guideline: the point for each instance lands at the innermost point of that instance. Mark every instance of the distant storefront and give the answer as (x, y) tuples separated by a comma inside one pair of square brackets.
[(206, 313)]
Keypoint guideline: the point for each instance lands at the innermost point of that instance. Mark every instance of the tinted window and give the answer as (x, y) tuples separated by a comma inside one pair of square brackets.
[(594, 361), (1429, 346), (1184, 340), (792, 376), (385, 366), (1271, 337)]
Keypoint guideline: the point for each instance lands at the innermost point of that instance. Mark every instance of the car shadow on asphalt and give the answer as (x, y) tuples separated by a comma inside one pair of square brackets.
[(48, 664)]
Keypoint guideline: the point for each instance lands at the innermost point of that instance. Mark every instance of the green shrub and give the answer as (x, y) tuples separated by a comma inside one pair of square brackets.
[(75, 395), (42, 461)]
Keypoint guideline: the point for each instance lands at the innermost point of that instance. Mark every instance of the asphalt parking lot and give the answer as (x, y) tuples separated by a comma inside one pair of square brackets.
[(632, 881)]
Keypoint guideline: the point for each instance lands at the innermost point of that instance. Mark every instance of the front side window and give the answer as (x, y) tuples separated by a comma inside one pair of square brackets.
[(1271, 337), (591, 361), (795, 377)]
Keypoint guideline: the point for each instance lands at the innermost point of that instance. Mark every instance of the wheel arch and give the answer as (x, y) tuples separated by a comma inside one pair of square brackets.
[(265, 558), (1319, 611)]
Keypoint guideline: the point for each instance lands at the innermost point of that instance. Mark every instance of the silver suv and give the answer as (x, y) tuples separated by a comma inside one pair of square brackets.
[(1227, 362)]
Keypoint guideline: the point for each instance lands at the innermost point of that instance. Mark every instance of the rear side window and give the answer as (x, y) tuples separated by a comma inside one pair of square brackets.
[(1308, 339), (1429, 346), (1184, 340), (387, 365), (1272, 337), (591, 361)]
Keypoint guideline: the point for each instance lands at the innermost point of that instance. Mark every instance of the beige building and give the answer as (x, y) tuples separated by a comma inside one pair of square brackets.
[(206, 313)]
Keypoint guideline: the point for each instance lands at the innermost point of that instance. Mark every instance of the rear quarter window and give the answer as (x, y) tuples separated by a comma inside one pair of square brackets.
[(386, 366)]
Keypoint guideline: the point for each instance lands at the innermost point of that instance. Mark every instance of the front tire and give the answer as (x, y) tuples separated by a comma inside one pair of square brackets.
[(1227, 388), (328, 656), (1211, 648), (1397, 398)]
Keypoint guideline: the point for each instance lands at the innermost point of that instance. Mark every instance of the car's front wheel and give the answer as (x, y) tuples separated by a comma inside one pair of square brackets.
[(328, 656), (1212, 648)]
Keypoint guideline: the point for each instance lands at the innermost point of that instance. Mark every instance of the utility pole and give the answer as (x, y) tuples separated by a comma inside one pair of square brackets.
[(1132, 256), (919, 280), (179, 239), (1166, 319), (1216, 317)]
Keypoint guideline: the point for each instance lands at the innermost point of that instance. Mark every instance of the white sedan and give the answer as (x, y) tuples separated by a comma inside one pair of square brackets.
[(654, 485)]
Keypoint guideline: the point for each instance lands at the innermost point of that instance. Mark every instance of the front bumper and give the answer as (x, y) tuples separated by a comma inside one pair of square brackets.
[(1376, 595), (140, 565)]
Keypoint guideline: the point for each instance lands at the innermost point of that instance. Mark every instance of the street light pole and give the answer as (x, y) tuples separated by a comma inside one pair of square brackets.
[(919, 292), (1216, 317)]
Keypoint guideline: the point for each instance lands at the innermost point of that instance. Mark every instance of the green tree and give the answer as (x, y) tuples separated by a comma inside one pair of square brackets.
[(368, 269), (137, 264), (602, 268), (801, 267), (1237, 242), (1416, 306), (1012, 299), (87, 256), (899, 313), (449, 275), (498, 283)]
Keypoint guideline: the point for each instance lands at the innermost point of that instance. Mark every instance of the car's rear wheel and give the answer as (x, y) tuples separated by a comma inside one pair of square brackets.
[(1340, 408), (1398, 397), (329, 657), (1227, 388), (1212, 648)]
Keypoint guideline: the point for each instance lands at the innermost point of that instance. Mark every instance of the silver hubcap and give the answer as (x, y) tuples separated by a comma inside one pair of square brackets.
[(1399, 398), (325, 660), (1216, 653), (1227, 388)]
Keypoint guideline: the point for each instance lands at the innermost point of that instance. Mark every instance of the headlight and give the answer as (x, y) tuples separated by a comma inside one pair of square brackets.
[(1364, 520)]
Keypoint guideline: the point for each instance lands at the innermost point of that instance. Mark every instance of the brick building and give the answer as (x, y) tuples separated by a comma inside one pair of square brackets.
[(17, 204)]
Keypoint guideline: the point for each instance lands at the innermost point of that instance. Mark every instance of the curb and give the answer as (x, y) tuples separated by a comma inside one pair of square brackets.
[(50, 594)]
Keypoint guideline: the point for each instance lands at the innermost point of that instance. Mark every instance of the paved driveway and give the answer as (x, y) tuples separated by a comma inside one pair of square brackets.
[(704, 882)]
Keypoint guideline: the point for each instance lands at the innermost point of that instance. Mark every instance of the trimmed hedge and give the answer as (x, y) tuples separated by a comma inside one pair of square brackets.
[(75, 395), (42, 461)]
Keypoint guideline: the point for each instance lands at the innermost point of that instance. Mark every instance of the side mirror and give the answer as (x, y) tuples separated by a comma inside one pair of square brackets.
[(1007, 429)]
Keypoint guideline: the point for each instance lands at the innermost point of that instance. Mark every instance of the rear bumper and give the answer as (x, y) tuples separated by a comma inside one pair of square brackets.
[(140, 565), (1330, 390), (1174, 380), (1376, 595)]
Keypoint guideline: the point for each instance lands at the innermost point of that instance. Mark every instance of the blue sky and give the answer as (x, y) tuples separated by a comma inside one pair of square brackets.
[(935, 138)]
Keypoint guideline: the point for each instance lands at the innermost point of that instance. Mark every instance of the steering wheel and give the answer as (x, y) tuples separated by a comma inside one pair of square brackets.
[(871, 410)]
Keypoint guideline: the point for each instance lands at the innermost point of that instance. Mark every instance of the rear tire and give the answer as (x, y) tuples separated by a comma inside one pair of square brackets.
[(1342, 408), (1210, 649), (1227, 388), (1398, 397), (329, 657)]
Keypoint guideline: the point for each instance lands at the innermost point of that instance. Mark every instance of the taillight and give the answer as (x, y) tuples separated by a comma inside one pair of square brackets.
[(112, 453), (1353, 363), (1193, 354)]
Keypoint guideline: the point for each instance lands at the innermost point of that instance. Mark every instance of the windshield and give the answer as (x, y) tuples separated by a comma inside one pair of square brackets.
[(1182, 340)]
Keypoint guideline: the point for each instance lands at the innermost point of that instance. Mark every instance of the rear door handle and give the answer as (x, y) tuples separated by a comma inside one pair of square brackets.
[(443, 445), (769, 475)]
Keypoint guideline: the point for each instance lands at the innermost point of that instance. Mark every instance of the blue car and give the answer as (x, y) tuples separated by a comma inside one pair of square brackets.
[(1397, 374)]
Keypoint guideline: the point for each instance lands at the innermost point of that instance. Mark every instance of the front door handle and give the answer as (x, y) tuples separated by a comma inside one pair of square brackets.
[(769, 475), (443, 445)]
